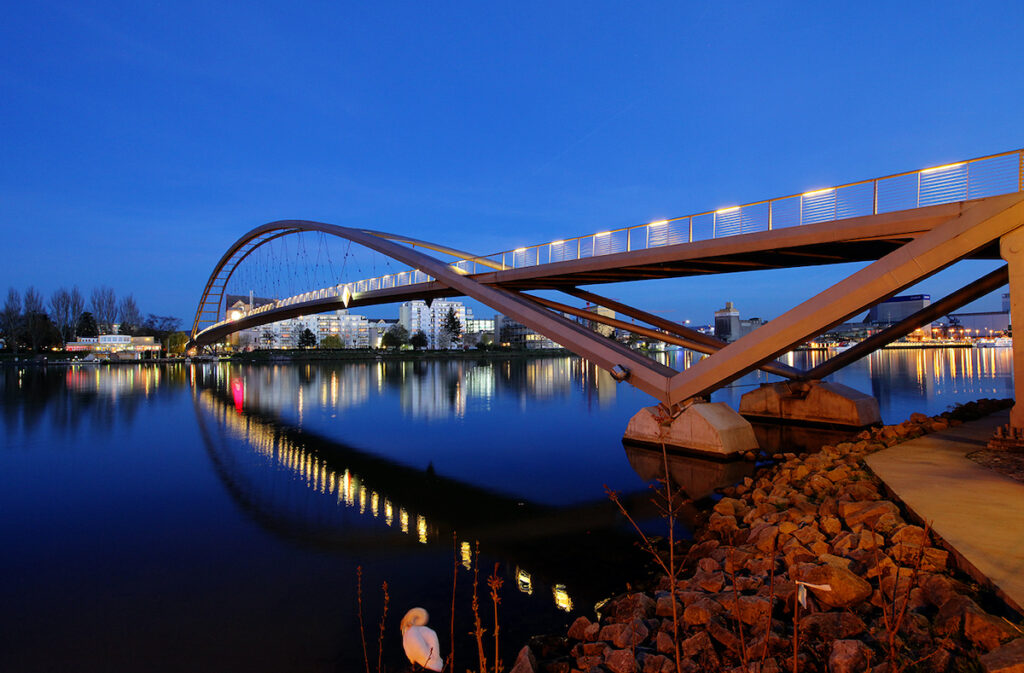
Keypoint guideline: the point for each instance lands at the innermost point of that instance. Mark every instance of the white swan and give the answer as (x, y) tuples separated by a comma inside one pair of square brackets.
[(420, 641)]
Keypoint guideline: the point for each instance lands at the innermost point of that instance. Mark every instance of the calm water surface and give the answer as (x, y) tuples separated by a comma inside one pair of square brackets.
[(212, 517)]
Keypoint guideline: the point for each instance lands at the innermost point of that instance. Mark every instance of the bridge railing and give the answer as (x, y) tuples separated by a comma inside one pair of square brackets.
[(971, 179)]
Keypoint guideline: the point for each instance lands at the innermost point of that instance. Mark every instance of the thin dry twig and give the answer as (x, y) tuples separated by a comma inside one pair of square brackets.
[(478, 629), (380, 638), (495, 582), (359, 600)]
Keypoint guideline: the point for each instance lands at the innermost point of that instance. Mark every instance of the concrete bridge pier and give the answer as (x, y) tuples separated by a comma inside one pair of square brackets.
[(709, 428), (815, 403)]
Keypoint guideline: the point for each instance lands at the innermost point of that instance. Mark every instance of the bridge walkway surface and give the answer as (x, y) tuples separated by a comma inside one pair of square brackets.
[(976, 511)]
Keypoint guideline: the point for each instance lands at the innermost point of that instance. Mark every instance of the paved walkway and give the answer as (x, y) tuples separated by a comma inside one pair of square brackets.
[(976, 511)]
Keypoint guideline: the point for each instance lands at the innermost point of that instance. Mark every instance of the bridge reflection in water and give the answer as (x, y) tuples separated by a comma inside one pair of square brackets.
[(318, 492)]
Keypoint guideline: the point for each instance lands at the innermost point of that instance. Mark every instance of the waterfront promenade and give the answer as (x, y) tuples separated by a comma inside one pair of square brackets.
[(976, 511)]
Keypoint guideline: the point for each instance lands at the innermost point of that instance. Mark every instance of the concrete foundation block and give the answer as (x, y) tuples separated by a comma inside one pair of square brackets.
[(704, 427), (814, 402)]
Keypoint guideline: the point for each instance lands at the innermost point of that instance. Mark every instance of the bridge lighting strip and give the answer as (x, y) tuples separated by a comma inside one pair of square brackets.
[(943, 168)]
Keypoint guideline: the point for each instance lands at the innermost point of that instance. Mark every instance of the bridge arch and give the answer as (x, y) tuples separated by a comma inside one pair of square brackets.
[(646, 374)]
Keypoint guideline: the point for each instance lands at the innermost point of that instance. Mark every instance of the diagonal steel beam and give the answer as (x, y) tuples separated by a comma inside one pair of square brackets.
[(965, 295), (977, 225), (703, 343), (776, 368)]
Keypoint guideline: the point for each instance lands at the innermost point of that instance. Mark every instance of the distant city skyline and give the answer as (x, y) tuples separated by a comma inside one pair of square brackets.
[(141, 141)]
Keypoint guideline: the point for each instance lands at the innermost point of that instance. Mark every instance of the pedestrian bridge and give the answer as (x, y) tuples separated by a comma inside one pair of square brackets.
[(908, 226)]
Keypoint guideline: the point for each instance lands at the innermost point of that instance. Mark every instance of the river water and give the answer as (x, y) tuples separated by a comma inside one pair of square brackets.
[(213, 516)]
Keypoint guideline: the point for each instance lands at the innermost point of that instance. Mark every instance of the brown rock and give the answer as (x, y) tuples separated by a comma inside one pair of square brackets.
[(937, 589), (591, 632), (654, 663), (578, 628), (594, 648), (747, 583), (700, 550), (833, 560), (807, 535), (634, 606), (707, 564), (831, 526), (795, 553), (724, 636), (951, 614), (987, 631), (700, 612), (690, 597), (761, 566), (847, 589), (711, 583), (721, 526), (887, 523), (934, 560), (610, 632), (525, 662), (664, 643), (731, 507), (735, 559), (861, 491), (663, 609), (839, 474), (820, 547), (911, 535), (1006, 659), (879, 565), (843, 543), (832, 625), (849, 656), (628, 635), (865, 513), (697, 644), (869, 540), (752, 609), (763, 537), (621, 661)]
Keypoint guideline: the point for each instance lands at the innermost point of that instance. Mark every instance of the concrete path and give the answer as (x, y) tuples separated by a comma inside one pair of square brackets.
[(977, 512)]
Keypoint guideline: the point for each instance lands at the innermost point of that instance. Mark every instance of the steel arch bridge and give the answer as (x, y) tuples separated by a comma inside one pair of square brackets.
[(954, 212)]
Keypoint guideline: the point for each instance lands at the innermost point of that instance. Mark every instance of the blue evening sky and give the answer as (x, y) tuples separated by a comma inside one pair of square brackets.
[(139, 139)]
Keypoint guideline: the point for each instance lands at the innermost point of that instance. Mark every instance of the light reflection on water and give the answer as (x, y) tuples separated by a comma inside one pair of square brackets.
[(135, 496)]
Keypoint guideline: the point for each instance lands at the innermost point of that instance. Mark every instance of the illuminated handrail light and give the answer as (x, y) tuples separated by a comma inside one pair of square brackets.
[(562, 600), (518, 250), (556, 243), (936, 169), (602, 233), (819, 192), (657, 223), (730, 209)]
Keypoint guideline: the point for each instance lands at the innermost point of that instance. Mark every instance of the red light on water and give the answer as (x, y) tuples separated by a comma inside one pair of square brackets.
[(238, 394)]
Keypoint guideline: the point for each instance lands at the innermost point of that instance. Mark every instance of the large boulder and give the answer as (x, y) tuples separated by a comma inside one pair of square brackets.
[(845, 588)]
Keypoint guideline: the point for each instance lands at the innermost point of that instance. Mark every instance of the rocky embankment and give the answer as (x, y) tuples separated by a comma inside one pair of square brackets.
[(879, 593)]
